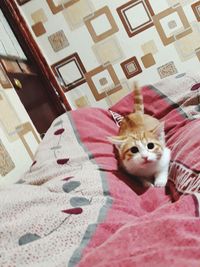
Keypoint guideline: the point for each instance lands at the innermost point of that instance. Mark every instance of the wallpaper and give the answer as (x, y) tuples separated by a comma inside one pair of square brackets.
[(18, 137), (96, 48)]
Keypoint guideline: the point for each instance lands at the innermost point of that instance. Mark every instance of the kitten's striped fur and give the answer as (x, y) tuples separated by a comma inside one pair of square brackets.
[(141, 144), (138, 99)]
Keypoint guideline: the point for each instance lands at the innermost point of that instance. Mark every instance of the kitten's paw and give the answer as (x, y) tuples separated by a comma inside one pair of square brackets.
[(160, 183), (147, 184)]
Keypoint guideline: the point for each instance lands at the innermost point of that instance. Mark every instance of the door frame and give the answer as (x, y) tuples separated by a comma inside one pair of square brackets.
[(33, 53)]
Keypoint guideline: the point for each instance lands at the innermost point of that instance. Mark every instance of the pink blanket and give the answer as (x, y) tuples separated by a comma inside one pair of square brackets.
[(156, 233), (74, 207), (141, 228)]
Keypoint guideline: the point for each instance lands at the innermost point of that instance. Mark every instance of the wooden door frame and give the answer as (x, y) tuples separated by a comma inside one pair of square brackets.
[(33, 52)]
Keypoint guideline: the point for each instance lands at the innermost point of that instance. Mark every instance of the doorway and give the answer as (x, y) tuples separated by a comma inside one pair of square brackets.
[(36, 91)]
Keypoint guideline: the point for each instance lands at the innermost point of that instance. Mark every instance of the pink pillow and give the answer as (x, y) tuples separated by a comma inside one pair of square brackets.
[(116, 117), (184, 172)]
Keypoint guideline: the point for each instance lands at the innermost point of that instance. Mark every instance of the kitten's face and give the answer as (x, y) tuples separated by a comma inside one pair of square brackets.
[(140, 151)]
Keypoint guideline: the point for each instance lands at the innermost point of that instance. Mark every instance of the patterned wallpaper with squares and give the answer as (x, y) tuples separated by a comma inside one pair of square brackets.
[(96, 48), (18, 137)]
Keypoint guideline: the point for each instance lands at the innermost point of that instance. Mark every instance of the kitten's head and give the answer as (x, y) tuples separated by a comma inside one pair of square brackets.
[(139, 150)]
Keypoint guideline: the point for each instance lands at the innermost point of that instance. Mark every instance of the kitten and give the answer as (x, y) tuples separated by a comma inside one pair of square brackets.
[(141, 145)]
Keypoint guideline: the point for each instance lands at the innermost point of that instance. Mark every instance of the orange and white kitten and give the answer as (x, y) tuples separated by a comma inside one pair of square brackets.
[(141, 145)]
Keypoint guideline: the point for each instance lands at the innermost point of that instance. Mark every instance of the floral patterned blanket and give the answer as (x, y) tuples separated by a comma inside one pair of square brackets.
[(73, 207)]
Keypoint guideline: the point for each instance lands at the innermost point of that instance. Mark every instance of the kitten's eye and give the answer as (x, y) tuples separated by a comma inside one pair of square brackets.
[(134, 150), (150, 145)]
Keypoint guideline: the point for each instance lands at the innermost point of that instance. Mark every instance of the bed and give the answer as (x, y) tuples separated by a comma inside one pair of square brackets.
[(74, 207)]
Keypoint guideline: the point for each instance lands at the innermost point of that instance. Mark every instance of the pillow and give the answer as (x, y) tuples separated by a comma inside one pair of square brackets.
[(116, 117), (174, 100), (184, 172), (179, 91)]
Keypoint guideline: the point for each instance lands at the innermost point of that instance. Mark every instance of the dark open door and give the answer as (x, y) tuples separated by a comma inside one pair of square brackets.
[(35, 86), (33, 93)]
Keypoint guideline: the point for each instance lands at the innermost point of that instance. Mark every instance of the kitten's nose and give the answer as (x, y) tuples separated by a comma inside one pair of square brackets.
[(145, 158)]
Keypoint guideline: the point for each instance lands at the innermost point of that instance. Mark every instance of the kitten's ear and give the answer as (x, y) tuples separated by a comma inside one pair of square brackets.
[(159, 132), (117, 140)]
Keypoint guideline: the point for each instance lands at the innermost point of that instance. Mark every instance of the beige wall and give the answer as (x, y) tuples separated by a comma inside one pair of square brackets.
[(95, 46), (8, 42)]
